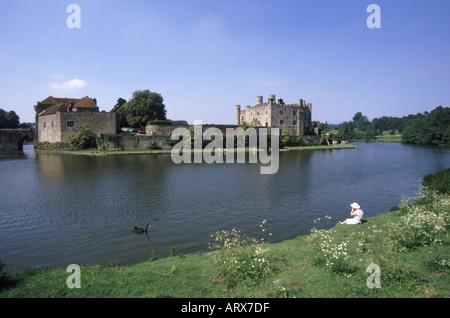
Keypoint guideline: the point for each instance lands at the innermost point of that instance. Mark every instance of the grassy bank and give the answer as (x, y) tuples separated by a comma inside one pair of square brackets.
[(321, 147), (409, 246), (104, 152), (387, 137)]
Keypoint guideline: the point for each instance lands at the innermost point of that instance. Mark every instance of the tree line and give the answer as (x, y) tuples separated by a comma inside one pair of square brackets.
[(9, 119), (427, 128), (433, 129)]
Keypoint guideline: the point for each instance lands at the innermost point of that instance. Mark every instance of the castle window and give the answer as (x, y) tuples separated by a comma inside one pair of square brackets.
[(281, 122), (294, 122), (45, 124), (281, 112), (70, 123)]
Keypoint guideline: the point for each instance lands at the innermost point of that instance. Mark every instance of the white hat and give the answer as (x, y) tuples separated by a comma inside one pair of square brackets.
[(355, 205)]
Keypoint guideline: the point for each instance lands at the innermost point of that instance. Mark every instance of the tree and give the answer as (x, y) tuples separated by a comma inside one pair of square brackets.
[(255, 122), (13, 119), (120, 102), (9, 119), (346, 130), (122, 112), (3, 120), (144, 106), (360, 122), (286, 137), (433, 129), (370, 134)]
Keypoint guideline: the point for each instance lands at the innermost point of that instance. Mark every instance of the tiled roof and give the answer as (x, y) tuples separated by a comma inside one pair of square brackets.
[(55, 108), (49, 101), (85, 102), (67, 100), (62, 104)]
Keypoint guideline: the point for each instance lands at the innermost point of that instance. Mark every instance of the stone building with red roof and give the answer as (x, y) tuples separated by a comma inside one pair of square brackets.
[(58, 118)]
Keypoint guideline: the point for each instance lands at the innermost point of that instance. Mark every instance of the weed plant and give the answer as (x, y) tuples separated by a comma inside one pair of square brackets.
[(241, 258)]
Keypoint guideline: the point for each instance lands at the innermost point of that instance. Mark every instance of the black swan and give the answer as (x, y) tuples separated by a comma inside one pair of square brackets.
[(138, 229)]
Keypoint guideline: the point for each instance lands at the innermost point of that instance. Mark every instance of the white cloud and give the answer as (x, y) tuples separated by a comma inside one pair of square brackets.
[(56, 76), (69, 85)]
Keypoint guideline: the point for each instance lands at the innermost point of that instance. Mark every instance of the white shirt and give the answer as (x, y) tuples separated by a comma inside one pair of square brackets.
[(358, 214)]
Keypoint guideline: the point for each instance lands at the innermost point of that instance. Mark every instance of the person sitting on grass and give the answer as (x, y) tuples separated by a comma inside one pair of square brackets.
[(357, 214)]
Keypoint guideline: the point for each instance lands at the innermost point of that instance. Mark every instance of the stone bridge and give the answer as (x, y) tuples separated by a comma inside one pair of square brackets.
[(12, 139)]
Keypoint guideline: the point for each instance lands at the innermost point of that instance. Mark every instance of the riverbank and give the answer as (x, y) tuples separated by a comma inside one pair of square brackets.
[(104, 152), (408, 247), (321, 147)]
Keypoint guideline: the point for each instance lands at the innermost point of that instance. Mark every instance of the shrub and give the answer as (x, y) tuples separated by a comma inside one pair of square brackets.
[(2, 267), (439, 181), (171, 142), (153, 146), (83, 139), (161, 122), (240, 258), (50, 146), (421, 225), (332, 252)]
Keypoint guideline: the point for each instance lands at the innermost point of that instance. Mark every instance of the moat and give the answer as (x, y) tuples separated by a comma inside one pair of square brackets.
[(61, 209)]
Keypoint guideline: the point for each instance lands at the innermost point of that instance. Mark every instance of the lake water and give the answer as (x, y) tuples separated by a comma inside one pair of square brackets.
[(61, 209)]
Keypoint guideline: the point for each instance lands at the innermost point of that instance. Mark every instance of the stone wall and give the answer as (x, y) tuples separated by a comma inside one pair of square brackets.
[(100, 122), (48, 128), (12, 139), (126, 141), (130, 141), (59, 126), (166, 130)]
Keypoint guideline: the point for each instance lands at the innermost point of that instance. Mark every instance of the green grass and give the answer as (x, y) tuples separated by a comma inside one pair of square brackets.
[(117, 152), (387, 137), (416, 267), (104, 152)]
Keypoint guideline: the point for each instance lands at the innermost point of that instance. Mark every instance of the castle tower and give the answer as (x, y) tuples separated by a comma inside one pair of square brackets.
[(300, 123), (259, 99), (238, 115)]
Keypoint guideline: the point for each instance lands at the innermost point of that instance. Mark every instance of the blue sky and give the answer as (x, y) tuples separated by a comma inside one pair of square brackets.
[(204, 57)]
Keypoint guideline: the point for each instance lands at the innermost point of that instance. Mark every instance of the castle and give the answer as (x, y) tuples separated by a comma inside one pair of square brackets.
[(296, 117), (58, 118)]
